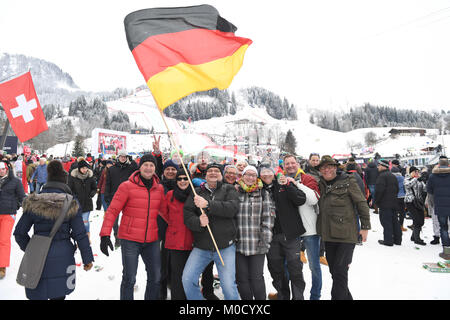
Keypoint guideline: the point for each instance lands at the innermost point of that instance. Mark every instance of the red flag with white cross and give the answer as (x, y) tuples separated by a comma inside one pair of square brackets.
[(20, 102)]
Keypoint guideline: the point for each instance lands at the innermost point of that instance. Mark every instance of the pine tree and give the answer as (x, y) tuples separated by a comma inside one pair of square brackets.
[(78, 148), (290, 143)]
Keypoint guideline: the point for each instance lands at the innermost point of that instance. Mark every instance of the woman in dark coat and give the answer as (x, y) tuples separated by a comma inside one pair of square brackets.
[(41, 211), (83, 186), (178, 238)]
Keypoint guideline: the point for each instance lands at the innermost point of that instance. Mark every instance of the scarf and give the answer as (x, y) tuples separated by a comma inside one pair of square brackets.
[(147, 182), (257, 185), (181, 195), (169, 184)]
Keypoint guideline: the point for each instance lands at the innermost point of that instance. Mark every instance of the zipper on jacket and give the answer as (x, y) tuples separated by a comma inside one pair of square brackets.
[(148, 215)]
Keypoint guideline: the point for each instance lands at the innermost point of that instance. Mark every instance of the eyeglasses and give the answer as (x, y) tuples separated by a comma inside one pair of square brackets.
[(184, 179), (250, 175)]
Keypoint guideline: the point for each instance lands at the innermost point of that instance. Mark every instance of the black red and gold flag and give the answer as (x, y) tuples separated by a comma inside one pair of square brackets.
[(183, 50)]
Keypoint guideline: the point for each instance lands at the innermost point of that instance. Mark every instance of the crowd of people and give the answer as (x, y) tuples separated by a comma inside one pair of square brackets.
[(182, 219)]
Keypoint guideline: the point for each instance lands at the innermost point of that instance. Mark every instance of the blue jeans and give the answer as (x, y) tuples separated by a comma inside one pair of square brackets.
[(149, 253), (39, 186), (198, 260), (372, 192), (312, 245), (85, 216), (30, 187), (443, 226), (104, 204)]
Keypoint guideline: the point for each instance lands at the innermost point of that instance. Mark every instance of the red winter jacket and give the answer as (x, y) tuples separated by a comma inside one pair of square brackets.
[(139, 208), (178, 236)]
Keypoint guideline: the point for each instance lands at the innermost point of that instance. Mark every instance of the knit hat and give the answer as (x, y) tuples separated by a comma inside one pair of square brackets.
[(384, 163), (55, 172), (181, 172), (83, 163), (122, 152), (396, 162), (148, 157), (412, 169), (250, 168), (170, 163)]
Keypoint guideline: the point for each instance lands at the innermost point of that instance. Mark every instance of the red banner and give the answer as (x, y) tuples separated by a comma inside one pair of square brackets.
[(22, 107)]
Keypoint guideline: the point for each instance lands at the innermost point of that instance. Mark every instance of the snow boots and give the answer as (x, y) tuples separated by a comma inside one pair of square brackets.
[(435, 240), (2, 272), (445, 254)]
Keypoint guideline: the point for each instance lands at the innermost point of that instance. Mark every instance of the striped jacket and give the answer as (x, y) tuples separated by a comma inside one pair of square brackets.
[(255, 221)]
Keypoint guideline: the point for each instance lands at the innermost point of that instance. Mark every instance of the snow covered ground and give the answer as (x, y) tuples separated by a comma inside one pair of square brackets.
[(377, 272)]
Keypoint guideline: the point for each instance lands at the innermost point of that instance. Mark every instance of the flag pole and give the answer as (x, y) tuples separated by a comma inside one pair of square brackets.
[(189, 179), (5, 131)]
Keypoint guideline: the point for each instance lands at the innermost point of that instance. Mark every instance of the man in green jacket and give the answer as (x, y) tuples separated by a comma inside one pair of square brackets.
[(341, 205)]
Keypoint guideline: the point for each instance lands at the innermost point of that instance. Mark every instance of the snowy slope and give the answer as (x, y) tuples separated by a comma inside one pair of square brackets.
[(193, 137), (376, 273)]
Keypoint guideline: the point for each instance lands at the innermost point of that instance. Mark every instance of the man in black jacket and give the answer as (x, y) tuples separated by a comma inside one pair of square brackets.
[(386, 190), (11, 196), (220, 204), (370, 176), (286, 242), (117, 174)]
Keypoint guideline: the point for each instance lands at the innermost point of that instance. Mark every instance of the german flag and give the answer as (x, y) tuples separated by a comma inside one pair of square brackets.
[(183, 50)]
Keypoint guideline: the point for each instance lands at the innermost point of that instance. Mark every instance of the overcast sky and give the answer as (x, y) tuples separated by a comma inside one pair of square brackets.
[(317, 53)]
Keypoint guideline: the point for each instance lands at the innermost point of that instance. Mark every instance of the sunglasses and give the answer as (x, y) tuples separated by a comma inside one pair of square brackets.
[(183, 179)]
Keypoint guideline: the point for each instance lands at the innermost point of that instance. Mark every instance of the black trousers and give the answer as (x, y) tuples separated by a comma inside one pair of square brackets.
[(250, 276), (207, 280), (339, 256), (401, 210), (391, 226), (418, 220), (165, 270), (286, 251), (177, 260)]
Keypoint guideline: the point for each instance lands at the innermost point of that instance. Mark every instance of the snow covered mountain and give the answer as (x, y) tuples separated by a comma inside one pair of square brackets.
[(254, 131)]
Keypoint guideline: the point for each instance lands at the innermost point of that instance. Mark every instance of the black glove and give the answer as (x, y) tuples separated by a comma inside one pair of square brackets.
[(104, 244)]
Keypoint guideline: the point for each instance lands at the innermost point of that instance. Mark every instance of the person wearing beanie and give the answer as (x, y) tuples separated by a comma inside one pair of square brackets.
[(38, 210), (140, 199), (216, 204), (178, 238), (414, 200), (82, 183), (11, 196), (386, 191), (255, 220), (438, 192), (168, 181)]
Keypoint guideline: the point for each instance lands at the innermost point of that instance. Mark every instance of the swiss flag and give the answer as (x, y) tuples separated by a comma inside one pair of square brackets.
[(22, 107)]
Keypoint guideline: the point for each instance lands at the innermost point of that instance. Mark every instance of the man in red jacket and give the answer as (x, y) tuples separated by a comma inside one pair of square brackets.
[(140, 199)]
